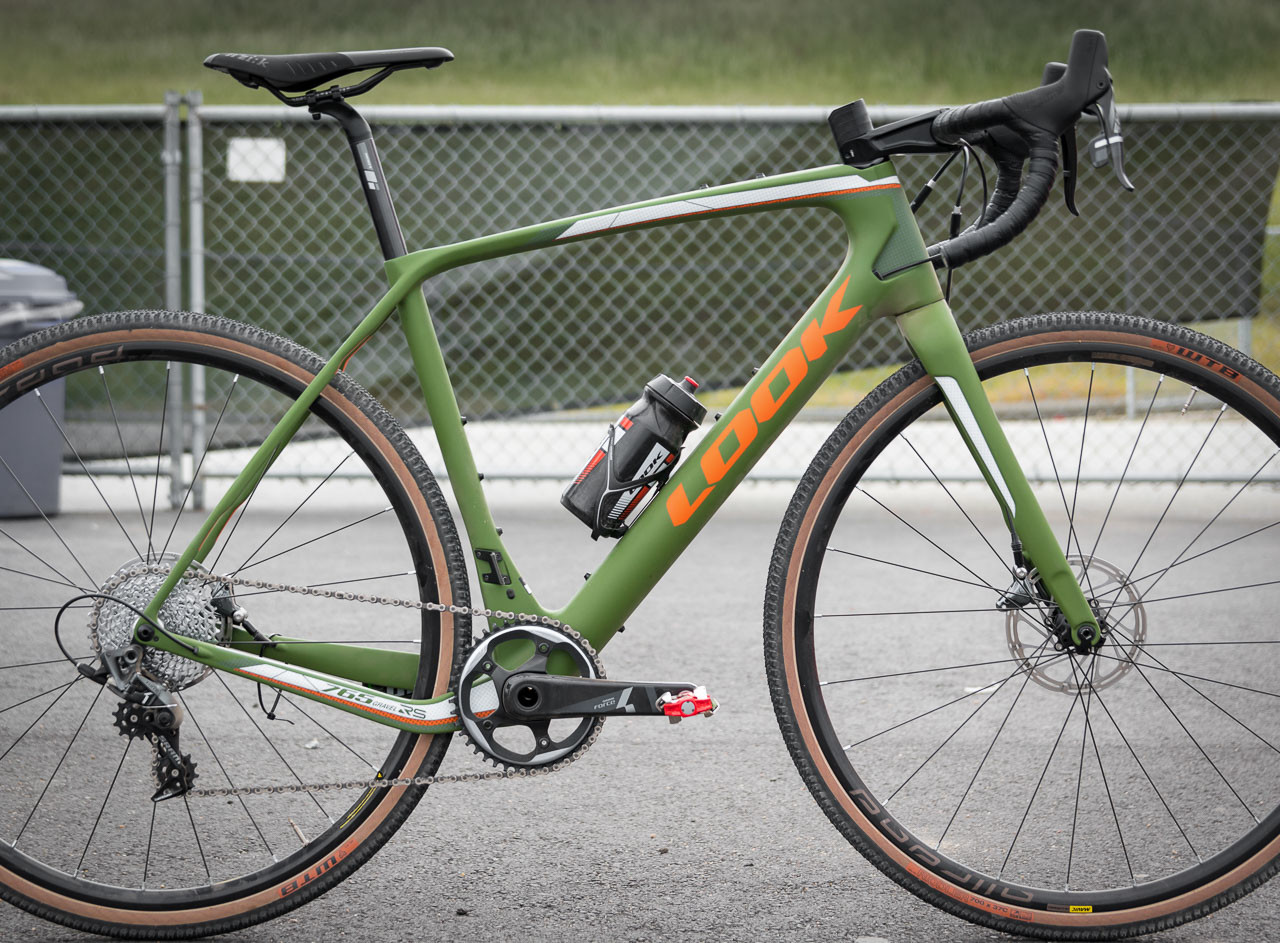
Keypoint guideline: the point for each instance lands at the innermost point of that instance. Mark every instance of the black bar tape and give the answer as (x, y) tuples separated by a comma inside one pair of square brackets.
[(955, 123), (1042, 168)]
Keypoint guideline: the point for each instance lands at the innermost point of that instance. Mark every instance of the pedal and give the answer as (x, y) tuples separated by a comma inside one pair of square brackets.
[(687, 704), (534, 695)]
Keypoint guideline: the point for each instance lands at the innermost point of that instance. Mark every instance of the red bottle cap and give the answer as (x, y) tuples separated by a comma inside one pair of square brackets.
[(691, 382)]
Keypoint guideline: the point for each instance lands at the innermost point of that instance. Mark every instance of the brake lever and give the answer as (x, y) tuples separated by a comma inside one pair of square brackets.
[(1069, 157), (1066, 142), (1108, 147)]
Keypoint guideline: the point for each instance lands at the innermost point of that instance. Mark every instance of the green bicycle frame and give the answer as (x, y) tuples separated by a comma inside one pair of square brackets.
[(885, 273)]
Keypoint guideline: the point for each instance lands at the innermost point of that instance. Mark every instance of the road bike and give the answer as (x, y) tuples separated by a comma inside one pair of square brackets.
[(1040, 699)]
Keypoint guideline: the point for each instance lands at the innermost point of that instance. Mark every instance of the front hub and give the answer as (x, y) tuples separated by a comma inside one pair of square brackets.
[(1039, 636)]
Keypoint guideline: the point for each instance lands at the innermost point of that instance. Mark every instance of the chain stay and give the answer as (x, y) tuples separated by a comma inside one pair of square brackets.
[(378, 782)]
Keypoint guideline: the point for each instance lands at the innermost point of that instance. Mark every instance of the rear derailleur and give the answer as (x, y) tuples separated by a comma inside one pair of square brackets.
[(147, 711), (157, 723)]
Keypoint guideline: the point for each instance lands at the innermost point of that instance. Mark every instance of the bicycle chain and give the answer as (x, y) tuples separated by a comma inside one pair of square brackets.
[(382, 782)]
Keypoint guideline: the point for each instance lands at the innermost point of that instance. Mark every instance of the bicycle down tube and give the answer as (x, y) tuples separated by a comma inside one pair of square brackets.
[(883, 237)]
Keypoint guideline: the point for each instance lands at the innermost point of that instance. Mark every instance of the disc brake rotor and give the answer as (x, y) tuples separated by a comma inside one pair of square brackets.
[(1114, 599)]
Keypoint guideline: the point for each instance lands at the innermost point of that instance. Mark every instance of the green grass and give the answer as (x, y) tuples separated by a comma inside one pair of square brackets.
[(652, 52)]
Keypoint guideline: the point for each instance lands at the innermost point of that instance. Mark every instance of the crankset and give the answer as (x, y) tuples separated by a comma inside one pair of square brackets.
[(534, 695), (523, 717)]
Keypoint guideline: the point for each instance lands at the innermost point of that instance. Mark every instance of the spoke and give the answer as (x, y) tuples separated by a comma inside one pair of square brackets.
[(978, 530), (1202, 530), (1183, 678), (1119, 484), (46, 609), (146, 862), (291, 514), (917, 531), (1088, 726), (155, 489), (1084, 739), (37, 556), (45, 518), (44, 579), (65, 688), (991, 746), (1204, 592), (274, 748), (195, 473), (913, 569), (1183, 674), (1046, 660), (124, 453), (1053, 463), (1191, 737), (1146, 645), (921, 671), (288, 700), (938, 749), (902, 612), (34, 664), (1066, 720), (1176, 491), (1159, 795), (61, 760), (41, 694), (243, 509), (1075, 494), (196, 835), (307, 543), (1037, 625), (105, 799), (1203, 553), (85, 468), (230, 782)]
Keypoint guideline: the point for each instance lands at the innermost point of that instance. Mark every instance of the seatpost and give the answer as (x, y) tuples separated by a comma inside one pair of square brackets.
[(373, 181)]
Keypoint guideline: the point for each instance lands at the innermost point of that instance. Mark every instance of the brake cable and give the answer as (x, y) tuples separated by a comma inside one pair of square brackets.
[(957, 210), (969, 153)]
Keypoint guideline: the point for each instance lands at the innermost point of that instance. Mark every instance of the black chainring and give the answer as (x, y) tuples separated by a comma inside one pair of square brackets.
[(483, 720)]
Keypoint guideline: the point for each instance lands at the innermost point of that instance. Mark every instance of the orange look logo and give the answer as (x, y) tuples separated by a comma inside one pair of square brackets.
[(741, 429)]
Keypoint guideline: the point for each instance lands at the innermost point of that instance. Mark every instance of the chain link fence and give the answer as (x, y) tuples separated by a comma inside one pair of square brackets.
[(544, 348)]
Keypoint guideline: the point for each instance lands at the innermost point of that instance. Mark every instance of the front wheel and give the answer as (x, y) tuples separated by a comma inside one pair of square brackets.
[(349, 505), (930, 700)]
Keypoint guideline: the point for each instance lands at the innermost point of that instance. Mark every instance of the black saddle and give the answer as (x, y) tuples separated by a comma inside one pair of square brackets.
[(305, 71)]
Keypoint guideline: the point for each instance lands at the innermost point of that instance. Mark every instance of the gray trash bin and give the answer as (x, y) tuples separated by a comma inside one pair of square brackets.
[(31, 297)]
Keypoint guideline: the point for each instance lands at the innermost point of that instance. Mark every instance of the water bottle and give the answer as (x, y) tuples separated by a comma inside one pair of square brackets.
[(635, 458)]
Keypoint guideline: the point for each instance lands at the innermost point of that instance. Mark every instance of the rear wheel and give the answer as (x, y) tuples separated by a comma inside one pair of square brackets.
[(957, 740), (349, 505)]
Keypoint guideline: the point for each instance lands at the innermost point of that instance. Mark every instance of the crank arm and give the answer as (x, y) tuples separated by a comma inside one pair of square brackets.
[(535, 695)]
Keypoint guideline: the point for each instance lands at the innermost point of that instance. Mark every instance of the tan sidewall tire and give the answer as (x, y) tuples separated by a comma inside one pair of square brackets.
[(858, 816), (388, 808)]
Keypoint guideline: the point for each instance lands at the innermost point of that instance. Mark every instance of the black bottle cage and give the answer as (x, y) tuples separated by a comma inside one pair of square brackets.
[(613, 486)]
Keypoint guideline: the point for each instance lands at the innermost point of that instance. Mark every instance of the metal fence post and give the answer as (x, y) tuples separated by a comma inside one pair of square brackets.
[(195, 282), (172, 159)]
